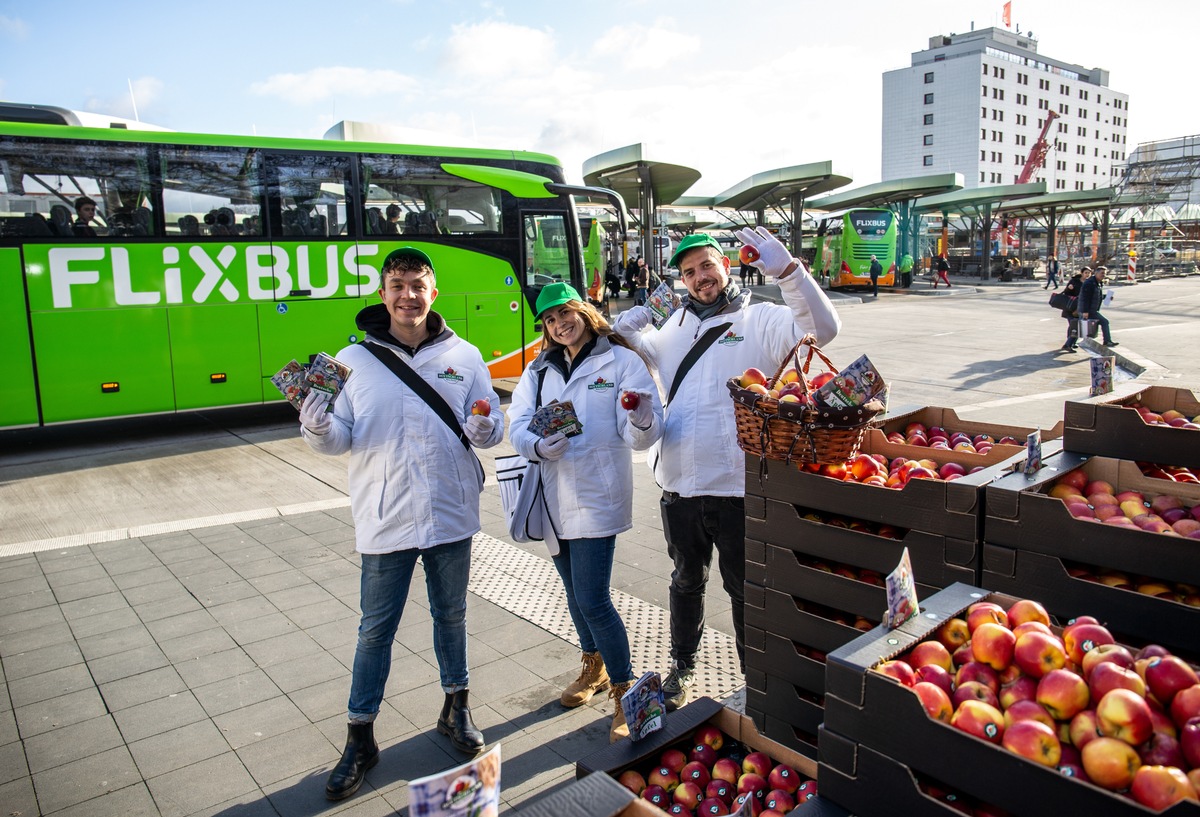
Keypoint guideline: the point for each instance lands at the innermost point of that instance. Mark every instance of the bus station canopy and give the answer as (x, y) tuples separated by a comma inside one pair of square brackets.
[(627, 169), (975, 200), (1071, 201), (882, 194), (776, 188)]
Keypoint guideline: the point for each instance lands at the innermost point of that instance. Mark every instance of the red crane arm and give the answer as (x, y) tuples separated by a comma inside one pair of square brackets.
[(1037, 154)]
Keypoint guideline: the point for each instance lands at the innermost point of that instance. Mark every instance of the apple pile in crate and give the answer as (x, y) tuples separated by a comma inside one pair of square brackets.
[(948, 440), (876, 469), (1179, 592), (1078, 702), (1170, 417), (714, 776), (787, 389), (1098, 501), (1170, 473)]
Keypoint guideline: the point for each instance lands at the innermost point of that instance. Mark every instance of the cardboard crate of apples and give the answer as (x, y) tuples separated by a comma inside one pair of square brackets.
[(938, 428), (1153, 424), (1170, 473), (1045, 709), (713, 775)]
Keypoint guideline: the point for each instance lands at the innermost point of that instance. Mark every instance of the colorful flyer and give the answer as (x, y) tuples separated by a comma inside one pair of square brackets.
[(554, 417), (856, 385), (469, 790), (901, 594), (1102, 375), (292, 383), (662, 302), (328, 374), (1033, 453), (644, 705)]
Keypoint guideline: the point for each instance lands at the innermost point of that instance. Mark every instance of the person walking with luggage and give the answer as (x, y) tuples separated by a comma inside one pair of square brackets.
[(697, 462), (1091, 298), (588, 478), (875, 271), (941, 271), (1071, 311), (1051, 273), (414, 492)]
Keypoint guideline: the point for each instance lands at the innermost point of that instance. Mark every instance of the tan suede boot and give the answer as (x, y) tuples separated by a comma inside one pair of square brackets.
[(619, 728), (592, 678)]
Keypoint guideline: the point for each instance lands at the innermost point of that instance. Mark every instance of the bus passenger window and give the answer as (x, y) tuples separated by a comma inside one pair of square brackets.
[(211, 191)]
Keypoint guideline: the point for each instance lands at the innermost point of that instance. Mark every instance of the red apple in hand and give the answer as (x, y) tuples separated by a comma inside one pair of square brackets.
[(481, 407), (748, 255), (630, 400)]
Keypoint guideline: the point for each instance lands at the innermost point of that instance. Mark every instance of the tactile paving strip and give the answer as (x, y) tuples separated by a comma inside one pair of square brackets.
[(529, 587)]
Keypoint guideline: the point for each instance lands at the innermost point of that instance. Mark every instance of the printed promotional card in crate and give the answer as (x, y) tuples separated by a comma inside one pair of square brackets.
[(901, 594), (469, 790), (1102, 375), (1033, 453), (856, 385), (644, 705), (662, 302), (328, 374), (292, 383), (554, 417)]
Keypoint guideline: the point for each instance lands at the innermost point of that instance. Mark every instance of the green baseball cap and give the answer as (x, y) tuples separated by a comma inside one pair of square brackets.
[(556, 294), (406, 252), (691, 242)]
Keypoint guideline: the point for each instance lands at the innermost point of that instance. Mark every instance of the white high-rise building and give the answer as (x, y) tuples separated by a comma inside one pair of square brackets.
[(975, 104)]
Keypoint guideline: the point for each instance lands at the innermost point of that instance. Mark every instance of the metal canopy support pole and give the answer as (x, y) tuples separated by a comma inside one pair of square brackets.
[(646, 204), (797, 208), (1104, 231), (985, 243)]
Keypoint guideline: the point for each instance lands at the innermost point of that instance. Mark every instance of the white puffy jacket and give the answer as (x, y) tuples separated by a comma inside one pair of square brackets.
[(698, 454), (412, 483), (590, 490)]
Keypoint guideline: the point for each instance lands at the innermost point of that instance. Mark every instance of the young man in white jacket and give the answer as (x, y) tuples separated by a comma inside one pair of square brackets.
[(697, 462), (414, 492)]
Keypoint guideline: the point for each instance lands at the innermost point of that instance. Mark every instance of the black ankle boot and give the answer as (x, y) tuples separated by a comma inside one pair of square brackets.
[(455, 721), (361, 754)]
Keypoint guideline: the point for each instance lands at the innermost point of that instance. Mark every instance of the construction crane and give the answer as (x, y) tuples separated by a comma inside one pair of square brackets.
[(1037, 158)]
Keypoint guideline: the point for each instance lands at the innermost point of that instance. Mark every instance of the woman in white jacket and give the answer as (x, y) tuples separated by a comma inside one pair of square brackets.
[(588, 477)]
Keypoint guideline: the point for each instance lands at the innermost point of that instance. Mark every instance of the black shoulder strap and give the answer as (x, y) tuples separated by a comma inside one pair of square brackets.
[(423, 390), (698, 348), (541, 379)]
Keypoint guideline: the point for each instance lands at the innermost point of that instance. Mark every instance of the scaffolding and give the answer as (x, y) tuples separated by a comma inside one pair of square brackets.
[(1161, 184)]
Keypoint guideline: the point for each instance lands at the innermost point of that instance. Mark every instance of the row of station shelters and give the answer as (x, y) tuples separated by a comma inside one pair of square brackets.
[(993, 231)]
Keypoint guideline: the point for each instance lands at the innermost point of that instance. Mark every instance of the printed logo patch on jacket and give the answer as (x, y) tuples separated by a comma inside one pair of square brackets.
[(601, 383), (450, 374), (730, 337)]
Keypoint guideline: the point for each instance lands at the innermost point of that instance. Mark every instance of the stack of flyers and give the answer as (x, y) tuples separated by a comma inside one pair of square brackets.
[(662, 302), (469, 790), (1102, 375), (854, 386), (901, 594), (325, 374), (644, 705), (554, 417)]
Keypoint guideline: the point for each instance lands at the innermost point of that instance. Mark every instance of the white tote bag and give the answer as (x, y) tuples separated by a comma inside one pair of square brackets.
[(524, 501)]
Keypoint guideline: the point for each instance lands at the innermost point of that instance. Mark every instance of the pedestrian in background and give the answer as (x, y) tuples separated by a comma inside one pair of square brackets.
[(1071, 310), (941, 271), (1091, 298), (1051, 273), (875, 271), (588, 478), (697, 462), (641, 283)]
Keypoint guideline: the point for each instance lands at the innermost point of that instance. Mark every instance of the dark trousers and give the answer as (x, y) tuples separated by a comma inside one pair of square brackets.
[(875, 285), (1103, 323), (693, 526)]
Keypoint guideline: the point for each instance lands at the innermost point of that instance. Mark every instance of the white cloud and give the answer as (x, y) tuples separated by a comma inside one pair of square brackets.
[(639, 47), (493, 51), (13, 27), (322, 83)]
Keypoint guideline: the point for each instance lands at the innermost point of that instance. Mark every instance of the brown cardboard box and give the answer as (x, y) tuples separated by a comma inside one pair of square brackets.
[(1105, 425), (947, 418)]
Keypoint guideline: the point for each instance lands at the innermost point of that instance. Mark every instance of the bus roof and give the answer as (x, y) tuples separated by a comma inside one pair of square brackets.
[(261, 142)]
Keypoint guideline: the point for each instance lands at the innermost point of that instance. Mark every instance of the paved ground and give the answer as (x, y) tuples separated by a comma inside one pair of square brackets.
[(178, 595)]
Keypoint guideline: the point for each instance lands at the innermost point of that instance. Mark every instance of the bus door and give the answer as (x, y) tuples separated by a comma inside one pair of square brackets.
[(18, 389), (312, 264)]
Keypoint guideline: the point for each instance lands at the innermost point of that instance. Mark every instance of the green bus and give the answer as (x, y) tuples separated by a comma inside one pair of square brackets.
[(214, 260), (846, 243)]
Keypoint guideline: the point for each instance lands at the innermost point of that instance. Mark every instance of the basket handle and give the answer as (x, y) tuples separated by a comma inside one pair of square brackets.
[(793, 355)]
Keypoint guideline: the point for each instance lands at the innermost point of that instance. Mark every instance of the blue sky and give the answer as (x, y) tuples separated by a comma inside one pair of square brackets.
[(731, 89)]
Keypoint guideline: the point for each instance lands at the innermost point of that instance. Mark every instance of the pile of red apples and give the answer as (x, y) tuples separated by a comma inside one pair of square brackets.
[(1171, 473), (876, 469), (787, 389), (714, 777), (849, 523), (1170, 417), (1075, 701), (946, 440), (1187, 594), (1099, 501)]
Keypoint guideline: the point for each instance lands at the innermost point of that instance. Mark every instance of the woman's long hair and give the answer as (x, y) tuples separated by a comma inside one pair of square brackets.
[(594, 321)]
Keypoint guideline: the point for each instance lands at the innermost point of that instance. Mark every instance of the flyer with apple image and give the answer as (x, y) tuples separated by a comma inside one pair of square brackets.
[(854, 386), (1033, 453), (662, 302), (469, 790), (292, 383), (901, 594), (554, 417), (1102, 375), (327, 374), (644, 705)]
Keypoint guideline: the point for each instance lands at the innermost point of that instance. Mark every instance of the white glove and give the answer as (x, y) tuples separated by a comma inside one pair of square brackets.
[(633, 320), (553, 447), (314, 412), (478, 429), (773, 257), (642, 416)]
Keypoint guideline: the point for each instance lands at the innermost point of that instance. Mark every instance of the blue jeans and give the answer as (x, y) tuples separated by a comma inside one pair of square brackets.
[(585, 566), (385, 582)]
